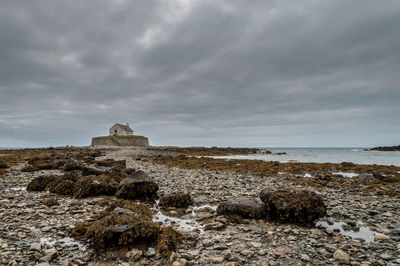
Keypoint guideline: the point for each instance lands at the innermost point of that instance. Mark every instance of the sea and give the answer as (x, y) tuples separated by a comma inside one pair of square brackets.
[(324, 155), (317, 155)]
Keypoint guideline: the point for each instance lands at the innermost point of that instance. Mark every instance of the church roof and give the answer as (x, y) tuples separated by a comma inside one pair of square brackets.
[(123, 127)]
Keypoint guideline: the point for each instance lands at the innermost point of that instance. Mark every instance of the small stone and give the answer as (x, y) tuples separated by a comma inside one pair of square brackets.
[(50, 254), (341, 256), (214, 226), (387, 214), (150, 252), (379, 236), (385, 256), (134, 254), (282, 251), (173, 257), (256, 244), (218, 260), (262, 252), (35, 233), (305, 257), (207, 242), (66, 263), (21, 234), (247, 253), (187, 256), (194, 253), (36, 246)]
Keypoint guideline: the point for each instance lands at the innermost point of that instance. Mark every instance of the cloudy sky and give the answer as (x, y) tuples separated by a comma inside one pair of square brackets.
[(201, 72)]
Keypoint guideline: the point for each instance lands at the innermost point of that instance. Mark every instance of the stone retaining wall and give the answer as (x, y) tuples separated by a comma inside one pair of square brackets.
[(120, 141)]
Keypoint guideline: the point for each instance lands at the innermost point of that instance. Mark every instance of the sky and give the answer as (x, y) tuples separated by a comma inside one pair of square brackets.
[(234, 73)]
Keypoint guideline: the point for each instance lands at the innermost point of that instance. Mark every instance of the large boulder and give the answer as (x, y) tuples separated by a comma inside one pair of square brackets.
[(40, 183), (89, 186), (178, 200), (89, 170), (123, 226), (294, 205), (137, 185), (61, 185), (244, 208)]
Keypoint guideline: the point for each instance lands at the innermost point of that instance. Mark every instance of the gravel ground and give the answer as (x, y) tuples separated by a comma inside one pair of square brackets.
[(32, 233)]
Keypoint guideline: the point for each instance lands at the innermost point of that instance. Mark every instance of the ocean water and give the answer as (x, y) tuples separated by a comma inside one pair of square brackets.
[(325, 155)]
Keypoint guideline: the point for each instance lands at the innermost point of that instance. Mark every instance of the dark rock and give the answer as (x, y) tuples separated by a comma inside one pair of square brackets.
[(137, 185), (168, 241), (323, 176), (61, 186), (88, 186), (41, 163), (117, 173), (73, 165), (3, 165), (50, 202), (39, 183), (119, 229), (293, 205), (244, 208), (59, 163), (386, 148), (28, 168), (176, 200), (111, 163), (88, 170)]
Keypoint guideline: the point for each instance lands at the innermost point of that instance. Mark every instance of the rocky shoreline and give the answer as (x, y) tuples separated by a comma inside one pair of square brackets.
[(386, 148), (366, 220)]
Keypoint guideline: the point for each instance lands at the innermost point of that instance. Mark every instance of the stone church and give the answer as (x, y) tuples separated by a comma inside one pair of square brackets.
[(121, 130)]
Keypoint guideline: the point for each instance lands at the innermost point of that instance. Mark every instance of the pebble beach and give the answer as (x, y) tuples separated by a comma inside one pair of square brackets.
[(361, 227)]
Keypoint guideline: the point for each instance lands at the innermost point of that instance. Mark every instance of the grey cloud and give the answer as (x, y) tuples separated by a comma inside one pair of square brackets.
[(190, 72)]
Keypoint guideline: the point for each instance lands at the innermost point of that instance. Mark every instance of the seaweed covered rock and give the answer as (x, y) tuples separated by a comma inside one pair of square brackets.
[(59, 163), (294, 205), (61, 186), (138, 185), (41, 163), (111, 163), (28, 168), (122, 227), (3, 165), (178, 200), (40, 183), (117, 173), (88, 186), (323, 176), (50, 202), (65, 184), (168, 241), (244, 208), (73, 165)]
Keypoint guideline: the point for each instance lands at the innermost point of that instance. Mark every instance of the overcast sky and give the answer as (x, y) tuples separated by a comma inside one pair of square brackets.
[(201, 72)]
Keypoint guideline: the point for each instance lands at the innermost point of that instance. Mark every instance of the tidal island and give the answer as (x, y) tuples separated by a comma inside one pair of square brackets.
[(120, 135)]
